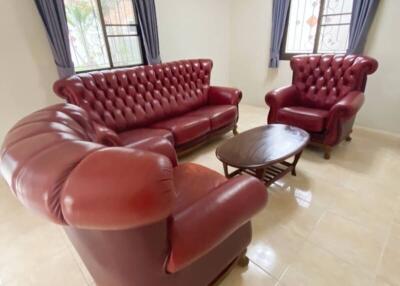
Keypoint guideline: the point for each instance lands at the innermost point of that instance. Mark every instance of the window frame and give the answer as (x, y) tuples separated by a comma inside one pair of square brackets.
[(107, 43), (288, 56)]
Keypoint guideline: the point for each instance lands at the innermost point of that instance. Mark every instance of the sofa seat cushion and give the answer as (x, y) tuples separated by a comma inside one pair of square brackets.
[(141, 135), (192, 182), (309, 119), (219, 115), (185, 128)]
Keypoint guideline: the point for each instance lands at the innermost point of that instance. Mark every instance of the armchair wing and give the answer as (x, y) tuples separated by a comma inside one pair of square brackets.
[(224, 95), (197, 229), (279, 98)]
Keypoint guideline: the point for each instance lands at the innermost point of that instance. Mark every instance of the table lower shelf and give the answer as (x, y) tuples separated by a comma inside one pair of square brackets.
[(269, 173)]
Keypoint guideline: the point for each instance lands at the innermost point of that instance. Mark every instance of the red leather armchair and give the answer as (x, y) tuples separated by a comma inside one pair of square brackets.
[(136, 217), (326, 93)]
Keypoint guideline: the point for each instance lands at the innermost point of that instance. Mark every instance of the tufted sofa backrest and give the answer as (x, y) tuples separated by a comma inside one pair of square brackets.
[(51, 164), (322, 80), (134, 97)]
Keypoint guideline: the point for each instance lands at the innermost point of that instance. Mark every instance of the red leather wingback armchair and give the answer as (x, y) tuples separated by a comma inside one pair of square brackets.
[(135, 217), (326, 93)]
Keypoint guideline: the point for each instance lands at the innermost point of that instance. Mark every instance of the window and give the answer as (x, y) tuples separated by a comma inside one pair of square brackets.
[(103, 34), (317, 26)]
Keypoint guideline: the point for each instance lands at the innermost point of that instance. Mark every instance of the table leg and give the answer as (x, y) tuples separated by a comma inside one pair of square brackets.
[(296, 159), (226, 170), (260, 173)]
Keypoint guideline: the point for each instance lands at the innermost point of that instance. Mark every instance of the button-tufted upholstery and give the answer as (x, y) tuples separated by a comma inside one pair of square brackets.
[(135, 216), (325, 95), (322, 81), (131, 98)]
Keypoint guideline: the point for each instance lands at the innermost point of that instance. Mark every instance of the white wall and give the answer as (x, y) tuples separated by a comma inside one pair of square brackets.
[(27, 71), (250, 41), (234, 33), (382, 107), (196, 29)]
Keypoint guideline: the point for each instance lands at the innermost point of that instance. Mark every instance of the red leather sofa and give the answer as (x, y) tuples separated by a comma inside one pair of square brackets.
[(172, 100), (136, 217), (325, 95)]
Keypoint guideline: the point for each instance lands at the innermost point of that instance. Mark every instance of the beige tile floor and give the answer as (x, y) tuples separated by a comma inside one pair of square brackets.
[(336, 223)]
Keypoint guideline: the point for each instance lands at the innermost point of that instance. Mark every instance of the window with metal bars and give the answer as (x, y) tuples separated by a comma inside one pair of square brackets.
[(317, 27), (103, 34)]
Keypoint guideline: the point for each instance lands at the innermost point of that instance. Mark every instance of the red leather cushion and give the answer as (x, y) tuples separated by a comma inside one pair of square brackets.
[(158, 145), (309, 119), (192, 182), (185, 128), (143, 134), (219, 115)]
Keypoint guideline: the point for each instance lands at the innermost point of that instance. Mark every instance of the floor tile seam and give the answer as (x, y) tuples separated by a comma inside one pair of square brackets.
[(363, 225), (384, 248), (342, 260), (79, 265), (262, 269)]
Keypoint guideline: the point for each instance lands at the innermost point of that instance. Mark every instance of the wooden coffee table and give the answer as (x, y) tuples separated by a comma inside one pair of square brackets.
[(263, 151)]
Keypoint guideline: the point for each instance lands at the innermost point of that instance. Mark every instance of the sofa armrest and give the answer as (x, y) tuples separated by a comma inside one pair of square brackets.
[(224, 95), (279, 98), (205, 224), (158, 145), (340, 115), (348, 106), (118, 188), (71, 89)]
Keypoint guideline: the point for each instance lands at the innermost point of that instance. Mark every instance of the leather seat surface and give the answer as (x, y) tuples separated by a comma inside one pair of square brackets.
[(192, 182), (185, 128), (141, 135), (219, 115), (309, 119)]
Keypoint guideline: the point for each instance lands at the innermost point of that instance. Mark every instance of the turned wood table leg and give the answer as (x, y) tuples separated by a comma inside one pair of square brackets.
[(260, 173), (296, 159), (226, 170)]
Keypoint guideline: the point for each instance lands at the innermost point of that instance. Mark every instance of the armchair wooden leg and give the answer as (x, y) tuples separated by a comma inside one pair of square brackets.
[(348, 138), (243, 260), (235, 131), (327, 152)]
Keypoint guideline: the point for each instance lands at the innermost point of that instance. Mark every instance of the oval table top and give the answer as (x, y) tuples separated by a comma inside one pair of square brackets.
[(262, 146)]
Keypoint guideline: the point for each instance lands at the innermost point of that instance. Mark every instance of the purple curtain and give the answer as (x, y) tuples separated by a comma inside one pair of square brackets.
[(55, 21), (361, 19), (280, 10), (147, 16)]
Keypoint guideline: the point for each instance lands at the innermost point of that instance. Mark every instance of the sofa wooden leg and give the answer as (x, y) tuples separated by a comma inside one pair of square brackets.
[(243, 260), (327, 152), (348, 138), (235, 131)]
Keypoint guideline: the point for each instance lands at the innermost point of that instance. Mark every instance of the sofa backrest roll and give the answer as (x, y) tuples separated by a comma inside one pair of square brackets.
[(52, 166), (322, 80), (129, 98)]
